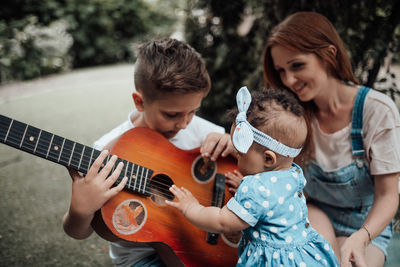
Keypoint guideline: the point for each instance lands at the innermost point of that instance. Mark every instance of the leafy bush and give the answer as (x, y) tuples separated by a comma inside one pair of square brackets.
[(105, 30), (35, 50), (102, 32)]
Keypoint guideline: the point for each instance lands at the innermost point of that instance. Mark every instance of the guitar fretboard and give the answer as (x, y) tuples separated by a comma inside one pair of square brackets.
[(67, 153)]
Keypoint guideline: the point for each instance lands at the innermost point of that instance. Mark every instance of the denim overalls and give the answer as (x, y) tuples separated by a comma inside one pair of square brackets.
[(346, 194)]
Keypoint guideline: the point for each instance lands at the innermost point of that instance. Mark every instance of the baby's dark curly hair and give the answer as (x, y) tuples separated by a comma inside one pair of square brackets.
[(279, 114)]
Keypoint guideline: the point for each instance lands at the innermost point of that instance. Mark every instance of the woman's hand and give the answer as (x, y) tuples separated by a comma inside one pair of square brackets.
[(353, 250)]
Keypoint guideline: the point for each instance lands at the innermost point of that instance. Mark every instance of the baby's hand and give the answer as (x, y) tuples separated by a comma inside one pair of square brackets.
[(185, 199), (217, 144), (233, 180), (91, 192)]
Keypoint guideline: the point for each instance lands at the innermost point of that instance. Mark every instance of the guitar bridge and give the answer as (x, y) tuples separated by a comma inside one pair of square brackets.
[(217, 201)]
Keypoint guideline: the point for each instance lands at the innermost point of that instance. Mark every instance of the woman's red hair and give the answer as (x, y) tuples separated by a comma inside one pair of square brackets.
[(308, 32)]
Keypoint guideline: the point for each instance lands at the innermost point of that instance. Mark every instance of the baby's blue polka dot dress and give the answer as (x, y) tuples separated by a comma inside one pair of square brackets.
[(273, 204)]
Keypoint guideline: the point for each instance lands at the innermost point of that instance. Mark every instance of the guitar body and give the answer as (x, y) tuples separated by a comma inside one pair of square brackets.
[(139, 214), (141, 218)]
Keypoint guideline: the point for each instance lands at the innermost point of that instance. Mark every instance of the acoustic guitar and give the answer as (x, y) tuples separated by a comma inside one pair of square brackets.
[(139, 213)]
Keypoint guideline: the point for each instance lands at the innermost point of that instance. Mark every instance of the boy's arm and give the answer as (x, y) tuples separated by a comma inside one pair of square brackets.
[(211, 219), (89, 194)]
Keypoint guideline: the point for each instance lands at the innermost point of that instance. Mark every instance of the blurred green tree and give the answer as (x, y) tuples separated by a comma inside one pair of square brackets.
[(96, 31)]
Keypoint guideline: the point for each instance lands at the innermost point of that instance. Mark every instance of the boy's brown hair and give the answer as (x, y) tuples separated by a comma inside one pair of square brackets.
[(169, 66)]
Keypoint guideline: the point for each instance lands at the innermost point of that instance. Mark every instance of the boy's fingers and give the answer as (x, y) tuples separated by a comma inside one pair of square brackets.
[(229, 148), (217, 151), (116, 189), (226, 151), (219, 147), (94, 169), (110, 164), (114, 176), (207, 148)]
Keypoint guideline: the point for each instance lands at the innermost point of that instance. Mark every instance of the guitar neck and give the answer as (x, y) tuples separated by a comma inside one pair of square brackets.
[(67, 153)]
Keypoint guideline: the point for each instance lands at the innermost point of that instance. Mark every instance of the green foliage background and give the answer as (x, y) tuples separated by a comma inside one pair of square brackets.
[(371, 30), (76, 33)]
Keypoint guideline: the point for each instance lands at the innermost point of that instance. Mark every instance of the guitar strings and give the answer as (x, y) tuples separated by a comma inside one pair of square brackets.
[(85, 160), (160, 187)]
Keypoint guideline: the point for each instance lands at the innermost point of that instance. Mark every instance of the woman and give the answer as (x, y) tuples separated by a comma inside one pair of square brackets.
[(352, 160)]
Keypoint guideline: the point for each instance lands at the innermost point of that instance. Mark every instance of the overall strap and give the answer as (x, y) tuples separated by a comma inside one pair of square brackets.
[(357, 123)]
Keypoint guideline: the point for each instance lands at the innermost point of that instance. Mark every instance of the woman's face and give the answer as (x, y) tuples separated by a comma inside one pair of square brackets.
[(302, 73)]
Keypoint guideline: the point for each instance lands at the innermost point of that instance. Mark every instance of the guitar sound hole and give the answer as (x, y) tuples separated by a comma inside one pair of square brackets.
[(159, 189), (203, 171)]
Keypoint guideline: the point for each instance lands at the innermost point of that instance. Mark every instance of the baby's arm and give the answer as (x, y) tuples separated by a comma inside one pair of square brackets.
[(217, 144), (211, 219), (89, 194)]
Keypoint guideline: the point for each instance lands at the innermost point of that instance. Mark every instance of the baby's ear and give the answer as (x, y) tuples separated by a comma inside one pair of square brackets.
[(138, 100), (269, 158)]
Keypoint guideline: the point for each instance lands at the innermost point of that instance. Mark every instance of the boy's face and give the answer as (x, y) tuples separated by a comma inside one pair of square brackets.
[(170, 114)]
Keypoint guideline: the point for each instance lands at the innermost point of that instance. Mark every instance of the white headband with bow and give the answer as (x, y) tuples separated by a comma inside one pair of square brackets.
[(245, 133)]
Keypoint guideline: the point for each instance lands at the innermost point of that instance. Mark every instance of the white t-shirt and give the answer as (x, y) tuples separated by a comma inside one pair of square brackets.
[(127, 253), (381, 132)]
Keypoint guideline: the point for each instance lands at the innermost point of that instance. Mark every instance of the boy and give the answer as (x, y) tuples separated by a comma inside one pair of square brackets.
[(171, 80)]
